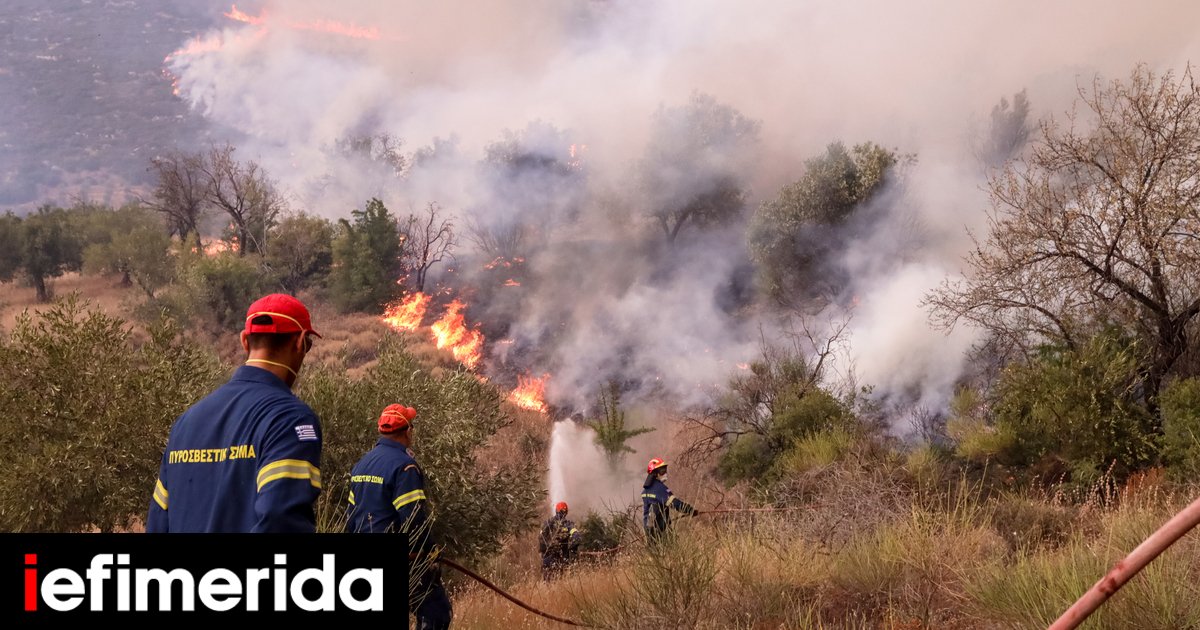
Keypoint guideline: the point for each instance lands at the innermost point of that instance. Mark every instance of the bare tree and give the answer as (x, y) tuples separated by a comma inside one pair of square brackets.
[(510, 240), (781, 375), (1098, 228), (428, 240), (382, 148), (181, 193), (244, 192)]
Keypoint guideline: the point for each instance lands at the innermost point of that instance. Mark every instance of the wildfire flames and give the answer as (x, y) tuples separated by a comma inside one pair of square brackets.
[(408, 313), (466, 344), (217, 42), (240, 16), (530, 393), (451, 332)]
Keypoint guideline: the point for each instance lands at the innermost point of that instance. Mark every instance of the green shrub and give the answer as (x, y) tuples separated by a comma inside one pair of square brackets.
[(215, 291), (1076, 413), (366, 259), (86, 416), (597, 533), (1180, 404)]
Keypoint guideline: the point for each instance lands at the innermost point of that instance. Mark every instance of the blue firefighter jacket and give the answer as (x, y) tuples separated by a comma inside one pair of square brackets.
[(657, 503), (387, 494), (246, 458)]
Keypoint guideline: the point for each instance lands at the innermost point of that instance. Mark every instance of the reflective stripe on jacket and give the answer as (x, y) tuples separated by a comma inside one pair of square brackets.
[(246, 458)]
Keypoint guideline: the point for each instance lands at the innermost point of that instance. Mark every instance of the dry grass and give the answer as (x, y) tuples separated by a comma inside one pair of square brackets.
[(104, 292), (942, 563)]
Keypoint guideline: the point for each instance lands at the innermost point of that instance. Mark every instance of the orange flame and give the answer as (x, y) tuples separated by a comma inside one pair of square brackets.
[(466, 344), (530, 393), (197, 45), (240, 16), (407, 313), (512, 283)]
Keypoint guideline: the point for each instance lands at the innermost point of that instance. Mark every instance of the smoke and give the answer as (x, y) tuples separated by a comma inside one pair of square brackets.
[(470, 84)]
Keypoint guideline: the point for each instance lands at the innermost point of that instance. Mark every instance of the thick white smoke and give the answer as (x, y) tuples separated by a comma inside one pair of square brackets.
[(915, 76)]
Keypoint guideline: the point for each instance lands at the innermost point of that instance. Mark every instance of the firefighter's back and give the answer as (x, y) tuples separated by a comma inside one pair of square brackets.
[(215, 455), (374, 488)]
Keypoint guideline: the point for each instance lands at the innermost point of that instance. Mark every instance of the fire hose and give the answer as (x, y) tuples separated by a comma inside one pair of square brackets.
[(1124, 570), (499, 591)]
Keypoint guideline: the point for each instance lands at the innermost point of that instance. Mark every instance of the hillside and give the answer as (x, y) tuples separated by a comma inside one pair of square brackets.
[(84, 103)]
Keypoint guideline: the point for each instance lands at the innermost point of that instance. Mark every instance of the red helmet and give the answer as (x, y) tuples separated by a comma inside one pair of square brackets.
[(655, 464), (561, 506), (396, 418)]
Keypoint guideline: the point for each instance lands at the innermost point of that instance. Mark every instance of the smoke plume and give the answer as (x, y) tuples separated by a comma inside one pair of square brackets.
[(574, 87)]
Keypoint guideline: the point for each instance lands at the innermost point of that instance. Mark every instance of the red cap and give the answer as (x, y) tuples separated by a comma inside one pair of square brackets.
[(396, 418), (561, 506), (288, 315), (655, 464)]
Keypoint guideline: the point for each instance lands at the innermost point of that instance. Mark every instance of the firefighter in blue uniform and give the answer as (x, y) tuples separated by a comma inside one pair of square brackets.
[(558, 542), (247, 457), (657, 502), (387, 494)]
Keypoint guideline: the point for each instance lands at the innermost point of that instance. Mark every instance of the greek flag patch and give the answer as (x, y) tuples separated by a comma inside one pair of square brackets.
[(306, 433)]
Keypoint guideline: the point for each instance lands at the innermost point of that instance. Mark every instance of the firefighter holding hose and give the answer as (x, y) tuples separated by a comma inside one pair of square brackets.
[(558, 542), (658, 501), (387, 494)]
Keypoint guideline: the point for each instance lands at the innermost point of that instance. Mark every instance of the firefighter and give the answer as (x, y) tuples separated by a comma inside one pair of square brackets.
[(247, 457), (558, 542), (387, 494), (657, 502)]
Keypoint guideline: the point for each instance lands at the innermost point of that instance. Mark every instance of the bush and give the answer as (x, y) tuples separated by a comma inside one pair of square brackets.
[(475, 507), (86, 416), (1076, 413), (1180, 404), (300, 251), (215, 290), (597, 533)]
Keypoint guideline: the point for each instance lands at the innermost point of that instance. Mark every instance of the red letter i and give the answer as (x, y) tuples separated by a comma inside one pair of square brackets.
[(31, 581)]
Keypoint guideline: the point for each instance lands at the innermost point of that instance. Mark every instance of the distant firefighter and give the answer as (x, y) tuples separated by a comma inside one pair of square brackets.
[(657, 502), (387, 494), (558, 543)]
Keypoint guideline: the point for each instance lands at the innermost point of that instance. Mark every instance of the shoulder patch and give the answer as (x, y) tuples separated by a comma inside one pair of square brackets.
[(410, 467), (306, 433)]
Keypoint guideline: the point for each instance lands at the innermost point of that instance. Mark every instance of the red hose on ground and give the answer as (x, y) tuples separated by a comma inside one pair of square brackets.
[(471, 574), (1137, 559)]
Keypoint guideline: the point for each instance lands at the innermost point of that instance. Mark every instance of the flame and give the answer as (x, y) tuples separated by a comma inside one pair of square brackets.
[(215, 246), (408, 313), (216, 41), (576, 153), (743, 366), (530, 393), (196, 46), (512, 283), (240, 16), (466, 344)]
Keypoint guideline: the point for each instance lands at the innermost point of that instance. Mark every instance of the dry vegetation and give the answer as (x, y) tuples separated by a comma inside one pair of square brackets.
[(934, 559)]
